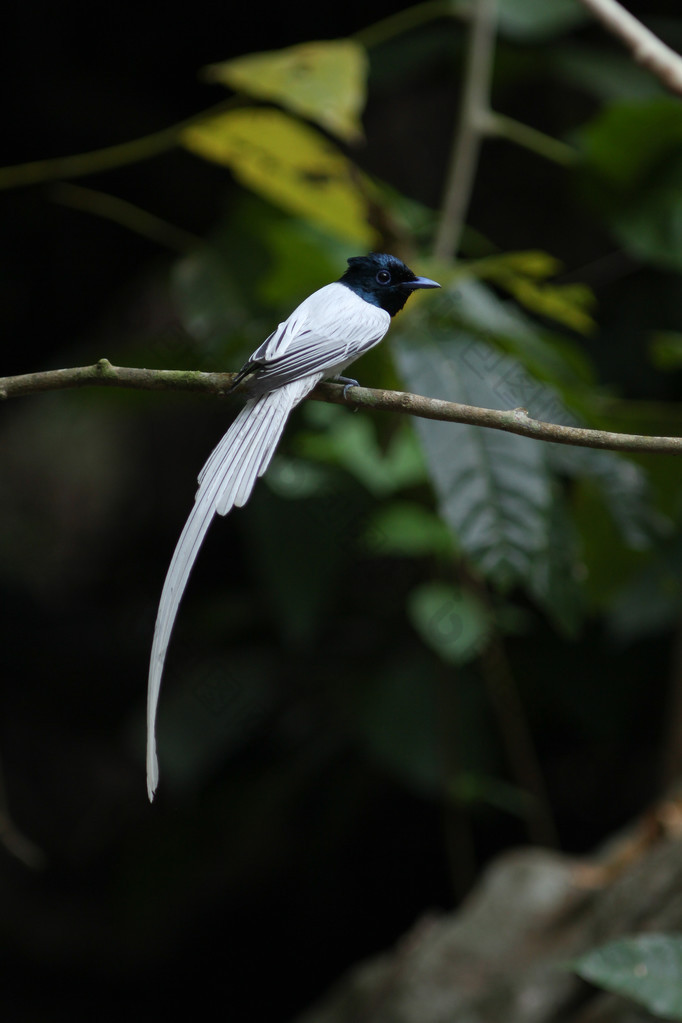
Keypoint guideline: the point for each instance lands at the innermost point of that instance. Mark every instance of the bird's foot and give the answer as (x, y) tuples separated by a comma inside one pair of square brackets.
[(349, 382)]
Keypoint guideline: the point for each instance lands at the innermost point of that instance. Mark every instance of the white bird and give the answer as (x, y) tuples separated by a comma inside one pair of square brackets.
[(324, 334)]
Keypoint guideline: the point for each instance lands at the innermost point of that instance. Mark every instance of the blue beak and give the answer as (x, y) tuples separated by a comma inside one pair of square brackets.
[(420, 282)]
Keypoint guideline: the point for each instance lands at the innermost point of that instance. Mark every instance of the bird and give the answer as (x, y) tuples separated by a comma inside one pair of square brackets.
[(330, 329)]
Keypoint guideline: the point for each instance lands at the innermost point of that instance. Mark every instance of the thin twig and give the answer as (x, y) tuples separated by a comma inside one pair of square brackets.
[(524, 762), (501, 126), (518, 420), (473, 125), (97, 160), (404, 22), (647, 49), (126, 214)]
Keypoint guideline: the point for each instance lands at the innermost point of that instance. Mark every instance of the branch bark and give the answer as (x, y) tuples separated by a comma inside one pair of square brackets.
[(518, 420), (647, 49)]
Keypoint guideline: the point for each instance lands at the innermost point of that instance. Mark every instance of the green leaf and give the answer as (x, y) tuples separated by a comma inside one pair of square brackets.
[(470, 788), (554, 578), (524, 275), (623, 487), (209, 300), (503, 501), (626, 140), (301, 259), (325, 82), (537, 20), (666, 350), (350, 441), (633, 160), (299, 478), (610, 77), (531, 263), (647, 968), (493, 488), (406, 529), (290, 164), (452, 622), (649, 224), (546, 356), (314, 532)]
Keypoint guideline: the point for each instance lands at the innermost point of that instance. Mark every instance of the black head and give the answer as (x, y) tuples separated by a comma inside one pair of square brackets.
[(383, 280)]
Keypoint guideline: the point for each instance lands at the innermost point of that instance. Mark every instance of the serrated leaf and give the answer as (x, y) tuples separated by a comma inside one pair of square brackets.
[(622, 484), (493, 488), (323, 81), (553, 581), (647, 968), (451, 621), (288, 163)]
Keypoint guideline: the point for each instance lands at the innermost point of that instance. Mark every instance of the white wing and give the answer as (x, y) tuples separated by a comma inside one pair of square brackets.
[(327, 332)]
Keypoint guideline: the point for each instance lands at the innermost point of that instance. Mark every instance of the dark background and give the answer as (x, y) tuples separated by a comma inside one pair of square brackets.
[(278, 852)]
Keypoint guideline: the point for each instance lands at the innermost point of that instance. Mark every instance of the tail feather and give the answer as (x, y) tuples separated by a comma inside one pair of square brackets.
[(238, 486), (227, 479)]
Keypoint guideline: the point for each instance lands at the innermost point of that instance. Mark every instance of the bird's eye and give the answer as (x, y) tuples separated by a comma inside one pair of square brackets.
[(383, 277)]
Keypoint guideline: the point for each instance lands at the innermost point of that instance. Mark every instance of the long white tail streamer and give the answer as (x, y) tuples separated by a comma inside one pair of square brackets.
[(225, 481)]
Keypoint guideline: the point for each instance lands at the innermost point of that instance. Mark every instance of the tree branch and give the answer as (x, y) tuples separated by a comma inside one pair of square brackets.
[(519, 421), (473, 123), (647, 49)]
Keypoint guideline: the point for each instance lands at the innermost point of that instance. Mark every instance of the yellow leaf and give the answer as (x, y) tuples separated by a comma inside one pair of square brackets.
[(532, 263), (324, 82), (524, 275), (290, 164), (566, 303)]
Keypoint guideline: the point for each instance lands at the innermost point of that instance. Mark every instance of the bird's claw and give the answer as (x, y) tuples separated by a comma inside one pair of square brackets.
[(349, 382)]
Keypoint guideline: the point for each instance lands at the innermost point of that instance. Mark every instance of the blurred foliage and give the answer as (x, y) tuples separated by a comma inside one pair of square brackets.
[(288, 163), (324, 82), (632, 164), (646, 968), (332, 683)]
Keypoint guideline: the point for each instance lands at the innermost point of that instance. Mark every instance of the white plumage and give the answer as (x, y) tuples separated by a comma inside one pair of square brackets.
[(323, 335)]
